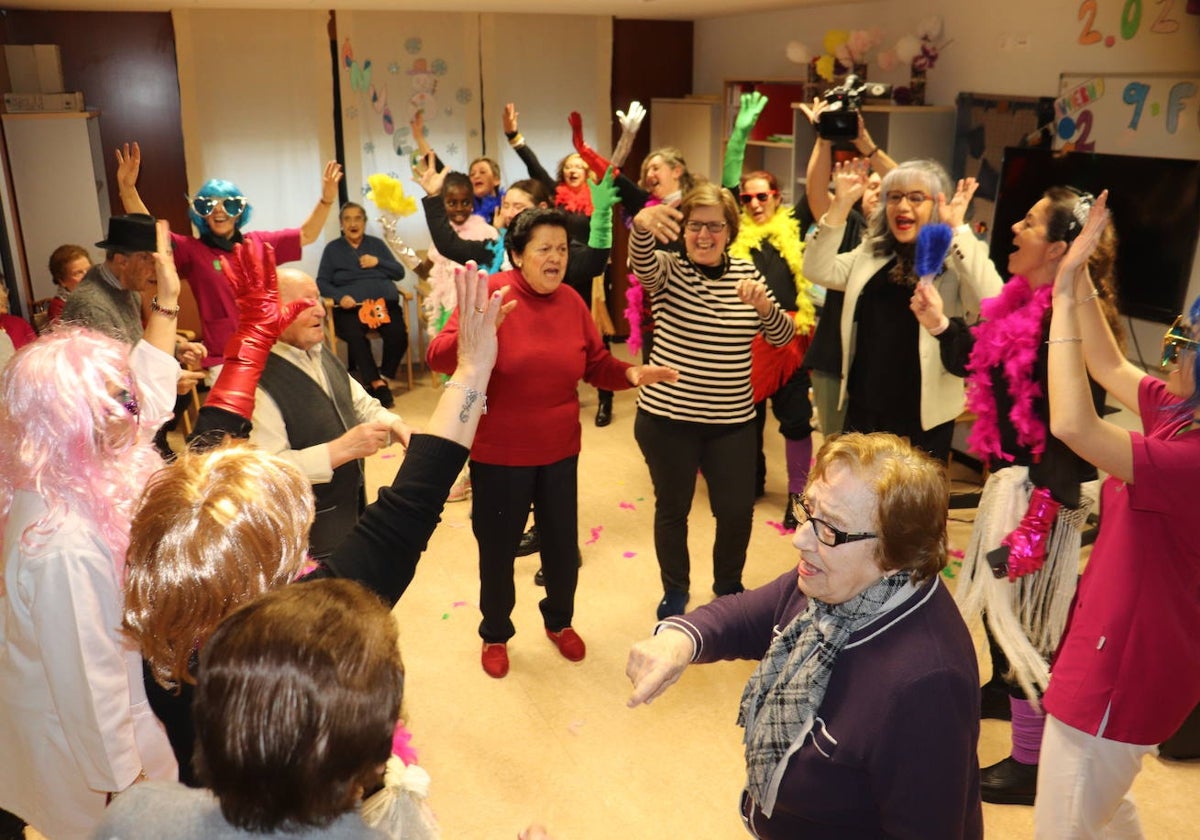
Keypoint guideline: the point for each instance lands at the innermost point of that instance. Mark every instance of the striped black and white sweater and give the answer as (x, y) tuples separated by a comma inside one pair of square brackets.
[(703, 330)]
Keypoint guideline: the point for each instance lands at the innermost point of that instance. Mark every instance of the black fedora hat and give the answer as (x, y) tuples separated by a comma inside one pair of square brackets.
[(130, 234)]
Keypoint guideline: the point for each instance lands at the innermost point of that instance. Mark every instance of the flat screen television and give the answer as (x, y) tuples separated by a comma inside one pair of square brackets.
[(1155, 204)]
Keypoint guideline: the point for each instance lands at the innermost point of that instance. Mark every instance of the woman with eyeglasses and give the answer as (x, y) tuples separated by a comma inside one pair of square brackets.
[(78, 411), (708, 306), (893, 376), (1127, 673), (220, 212), (861, 718), (1021, 564)]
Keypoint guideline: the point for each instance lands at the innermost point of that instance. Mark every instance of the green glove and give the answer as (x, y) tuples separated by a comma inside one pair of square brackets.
[(735, 149), (604, 196)]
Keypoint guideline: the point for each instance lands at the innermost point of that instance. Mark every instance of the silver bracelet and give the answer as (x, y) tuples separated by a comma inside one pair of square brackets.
[(472, 396), (162, 310), (1064, 341)]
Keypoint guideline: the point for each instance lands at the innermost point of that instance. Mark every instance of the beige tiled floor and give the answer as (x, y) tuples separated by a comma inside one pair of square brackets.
[(554, 741)]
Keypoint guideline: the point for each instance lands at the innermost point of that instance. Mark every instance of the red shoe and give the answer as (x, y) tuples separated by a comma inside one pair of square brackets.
[(495, 659), (568, 643)]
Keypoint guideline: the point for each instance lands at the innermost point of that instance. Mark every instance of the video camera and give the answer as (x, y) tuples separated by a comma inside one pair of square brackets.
[(839, 120)]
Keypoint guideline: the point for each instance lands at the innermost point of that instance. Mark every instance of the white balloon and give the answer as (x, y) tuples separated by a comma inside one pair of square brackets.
[(908, 48), (797, 53)]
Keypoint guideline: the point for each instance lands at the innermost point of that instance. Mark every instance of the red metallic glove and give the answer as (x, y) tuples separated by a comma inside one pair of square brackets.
[(1027, 543), (591, 157), (260, 321)]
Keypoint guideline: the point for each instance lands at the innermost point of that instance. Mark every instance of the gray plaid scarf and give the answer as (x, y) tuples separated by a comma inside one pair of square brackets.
[(780, 702)]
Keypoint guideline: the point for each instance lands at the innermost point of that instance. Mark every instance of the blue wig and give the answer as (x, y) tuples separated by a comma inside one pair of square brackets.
[(1193, 402), (220, 189)]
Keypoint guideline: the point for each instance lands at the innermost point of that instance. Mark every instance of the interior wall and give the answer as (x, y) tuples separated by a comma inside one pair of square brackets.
[(257, 110)]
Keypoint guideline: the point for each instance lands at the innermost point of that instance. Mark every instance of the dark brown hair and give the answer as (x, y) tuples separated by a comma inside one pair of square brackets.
[(1062, 225), (298, 697), (62, 257)]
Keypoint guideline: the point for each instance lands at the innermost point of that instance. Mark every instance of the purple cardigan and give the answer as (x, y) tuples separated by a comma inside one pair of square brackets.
[(893, 750)]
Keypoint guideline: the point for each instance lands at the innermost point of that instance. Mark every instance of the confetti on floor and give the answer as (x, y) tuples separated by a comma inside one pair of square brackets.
[(460, 603), (596, 529), (388, 455), (629, 554), (956, 552), (628, 506), (781, 528)]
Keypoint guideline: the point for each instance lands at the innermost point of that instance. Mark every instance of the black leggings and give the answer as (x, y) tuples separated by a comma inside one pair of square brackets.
[(358, 348)]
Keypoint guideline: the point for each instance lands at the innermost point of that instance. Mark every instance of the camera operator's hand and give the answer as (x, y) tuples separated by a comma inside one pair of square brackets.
[(814, 113), (954, 212), (849, 184)]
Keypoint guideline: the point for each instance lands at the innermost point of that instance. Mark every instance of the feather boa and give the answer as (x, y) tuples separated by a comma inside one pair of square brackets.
[(573, 200), (635, 297), (783, 232), (1009, 335)]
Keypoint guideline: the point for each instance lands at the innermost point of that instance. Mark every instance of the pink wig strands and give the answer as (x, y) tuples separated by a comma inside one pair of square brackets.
[(65, 437)]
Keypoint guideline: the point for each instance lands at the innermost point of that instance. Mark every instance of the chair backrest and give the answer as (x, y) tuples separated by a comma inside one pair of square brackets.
[(39, 315)]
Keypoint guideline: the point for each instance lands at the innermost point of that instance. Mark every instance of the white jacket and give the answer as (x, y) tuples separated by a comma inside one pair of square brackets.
[(969, 278)]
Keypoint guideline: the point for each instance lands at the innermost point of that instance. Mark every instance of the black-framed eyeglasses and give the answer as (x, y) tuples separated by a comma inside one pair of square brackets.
[(761, 197), (204, 205), (1177, 338), (916, 199), (715, 228), (826, 533)]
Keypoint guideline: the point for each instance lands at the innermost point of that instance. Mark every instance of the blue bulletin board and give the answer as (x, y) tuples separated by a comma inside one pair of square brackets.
[(1152, 115)]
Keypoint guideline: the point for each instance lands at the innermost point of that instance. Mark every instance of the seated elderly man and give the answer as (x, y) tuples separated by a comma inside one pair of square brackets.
[(862, 718), (309, 411)]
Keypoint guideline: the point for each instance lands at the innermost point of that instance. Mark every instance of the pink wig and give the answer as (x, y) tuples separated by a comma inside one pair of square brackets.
[(66, 437)]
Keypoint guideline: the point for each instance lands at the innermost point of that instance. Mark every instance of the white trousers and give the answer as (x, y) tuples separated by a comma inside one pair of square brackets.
[(1083, 786)]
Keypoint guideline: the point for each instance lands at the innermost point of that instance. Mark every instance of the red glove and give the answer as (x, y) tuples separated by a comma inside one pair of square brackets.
[(1027, 543), (260, 321), (590, 156)]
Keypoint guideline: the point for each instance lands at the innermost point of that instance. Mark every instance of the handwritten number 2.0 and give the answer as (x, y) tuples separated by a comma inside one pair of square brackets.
[(1087, 9)]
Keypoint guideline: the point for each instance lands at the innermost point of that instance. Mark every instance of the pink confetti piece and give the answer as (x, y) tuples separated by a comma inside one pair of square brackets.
[(596, 529), (460, 604), (629, 554), (781, 528), (388, 455), (956, 552), (628, 506)]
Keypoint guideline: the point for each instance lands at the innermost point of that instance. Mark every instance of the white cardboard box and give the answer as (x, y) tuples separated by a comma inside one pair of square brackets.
[(30, 103)]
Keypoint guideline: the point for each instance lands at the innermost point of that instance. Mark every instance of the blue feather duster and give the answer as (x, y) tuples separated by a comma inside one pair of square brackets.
[(933, 243)]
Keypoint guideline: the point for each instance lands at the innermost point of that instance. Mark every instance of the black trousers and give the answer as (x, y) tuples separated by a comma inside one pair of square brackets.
[(935, 441), (724, 454), (500, 499), (358, 348)]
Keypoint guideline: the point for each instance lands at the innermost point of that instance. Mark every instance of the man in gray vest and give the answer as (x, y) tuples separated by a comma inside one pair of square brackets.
[(308, 410), (110, 297)]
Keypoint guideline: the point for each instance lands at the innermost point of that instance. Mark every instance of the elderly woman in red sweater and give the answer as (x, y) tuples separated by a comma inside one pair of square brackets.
[(527, 446)]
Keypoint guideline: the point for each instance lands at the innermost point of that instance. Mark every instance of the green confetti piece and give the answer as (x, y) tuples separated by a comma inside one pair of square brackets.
[(445, 616)]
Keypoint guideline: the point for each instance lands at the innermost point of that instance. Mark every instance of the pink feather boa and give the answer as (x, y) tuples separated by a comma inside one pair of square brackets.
[(1009, 335), (634, 296)]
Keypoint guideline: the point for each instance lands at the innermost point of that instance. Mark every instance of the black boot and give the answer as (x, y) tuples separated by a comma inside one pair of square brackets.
[(789, 514), (604, 410), (1008, 782), (531, 542)]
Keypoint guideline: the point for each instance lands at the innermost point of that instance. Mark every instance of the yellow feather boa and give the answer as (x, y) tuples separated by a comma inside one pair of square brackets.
[(783, 232)]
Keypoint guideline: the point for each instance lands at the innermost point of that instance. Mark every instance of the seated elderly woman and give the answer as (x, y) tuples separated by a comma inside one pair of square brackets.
[(862, 718), (292, 725)]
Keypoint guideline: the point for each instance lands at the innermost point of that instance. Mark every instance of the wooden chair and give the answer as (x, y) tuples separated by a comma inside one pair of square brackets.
[(407, 302)]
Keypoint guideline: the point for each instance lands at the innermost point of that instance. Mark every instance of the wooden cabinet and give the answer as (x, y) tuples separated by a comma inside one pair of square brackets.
[(58, 193), (692, 125)]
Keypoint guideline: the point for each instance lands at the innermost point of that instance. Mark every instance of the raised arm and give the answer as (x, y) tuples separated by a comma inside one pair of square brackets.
[(129, 165), (752, 105), (517, 140), (311, 229), (1078, 328)]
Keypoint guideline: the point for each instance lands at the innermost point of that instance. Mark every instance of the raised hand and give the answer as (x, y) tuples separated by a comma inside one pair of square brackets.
[(595, 161), (510, 118), (850, 181), (604, 196), (129, 165), (813, 112), (480, 314), (752, 105), (166, 278), (1085, 244), (431, 180), (630, 123), (662, 220), (329, 181), (954, 212)]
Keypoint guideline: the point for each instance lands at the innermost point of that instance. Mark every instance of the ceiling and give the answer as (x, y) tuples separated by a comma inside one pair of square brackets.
[(649, 9)]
